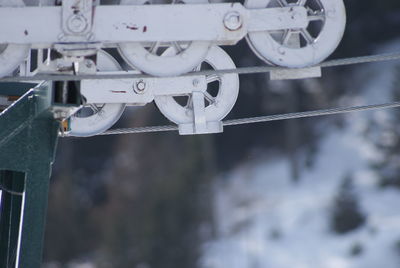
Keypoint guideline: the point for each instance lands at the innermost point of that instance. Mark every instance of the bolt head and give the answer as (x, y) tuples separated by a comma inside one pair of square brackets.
[(233, 21), (77, 24), (139, 87), (89, 63)]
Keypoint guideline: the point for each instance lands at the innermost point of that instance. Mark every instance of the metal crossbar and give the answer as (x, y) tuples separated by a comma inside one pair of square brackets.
[(240, 70)]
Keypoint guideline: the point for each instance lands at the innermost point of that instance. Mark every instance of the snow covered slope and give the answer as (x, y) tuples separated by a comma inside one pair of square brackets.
[(265, 220)]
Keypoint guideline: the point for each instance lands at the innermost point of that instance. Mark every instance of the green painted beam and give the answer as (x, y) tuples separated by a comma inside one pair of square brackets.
[(28, 139), (12, 183), (15, 89)]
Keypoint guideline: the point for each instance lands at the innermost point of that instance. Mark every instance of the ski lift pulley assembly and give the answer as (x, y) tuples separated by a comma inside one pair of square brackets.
[(165, 41)]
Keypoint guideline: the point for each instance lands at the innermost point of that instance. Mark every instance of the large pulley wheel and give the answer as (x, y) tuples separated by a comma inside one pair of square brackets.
[(12, 55), (95, 118), (220, 96), (300, 47), (151, 59)]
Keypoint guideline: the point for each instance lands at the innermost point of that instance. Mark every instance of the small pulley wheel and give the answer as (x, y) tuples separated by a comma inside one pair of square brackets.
[(220, 96), (151, 59), (95, 118), (12, 55), (300, 47)]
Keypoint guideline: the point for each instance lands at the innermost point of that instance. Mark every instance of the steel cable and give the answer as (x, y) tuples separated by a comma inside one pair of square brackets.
[(260, 119), (240, 70)]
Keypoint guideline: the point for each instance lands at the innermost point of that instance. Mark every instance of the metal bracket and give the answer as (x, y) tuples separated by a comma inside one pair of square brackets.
[(77, 17), (200, 124), (300, 73), (139, 91)]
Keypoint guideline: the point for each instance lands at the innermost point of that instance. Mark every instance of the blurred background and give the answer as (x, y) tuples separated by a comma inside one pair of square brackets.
[(319, 192)]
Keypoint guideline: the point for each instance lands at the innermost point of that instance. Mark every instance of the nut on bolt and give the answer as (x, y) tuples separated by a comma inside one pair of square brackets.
[(233, 21), (89, 63), (77, 23), (139, 87)]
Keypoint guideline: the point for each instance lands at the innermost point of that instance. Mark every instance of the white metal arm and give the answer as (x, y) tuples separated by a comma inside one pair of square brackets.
[(111, 25)]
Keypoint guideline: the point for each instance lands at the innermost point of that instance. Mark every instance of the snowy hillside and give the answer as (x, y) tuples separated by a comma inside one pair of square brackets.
[(265, 220)]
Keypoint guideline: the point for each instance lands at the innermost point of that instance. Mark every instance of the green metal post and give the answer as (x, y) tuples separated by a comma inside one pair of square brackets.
[(13, 185), (28, 139)]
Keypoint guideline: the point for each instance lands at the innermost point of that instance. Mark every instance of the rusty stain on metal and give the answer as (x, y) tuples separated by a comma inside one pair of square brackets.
[(75, 9), (131, 27), (118, 91), (144, 29), (26, 32), (13, 98), (65, 124)]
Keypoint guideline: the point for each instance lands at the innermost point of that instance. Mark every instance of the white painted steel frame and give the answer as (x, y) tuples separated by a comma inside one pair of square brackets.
[(123, 90), (43, 26)]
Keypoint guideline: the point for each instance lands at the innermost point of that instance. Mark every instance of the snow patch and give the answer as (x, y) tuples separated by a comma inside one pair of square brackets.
[(265, 220)]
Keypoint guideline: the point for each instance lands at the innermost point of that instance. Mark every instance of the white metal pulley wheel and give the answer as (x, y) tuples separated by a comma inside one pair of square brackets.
[(222, 92), (96, 118), (150, 59), (11, 55), (303, 46)]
